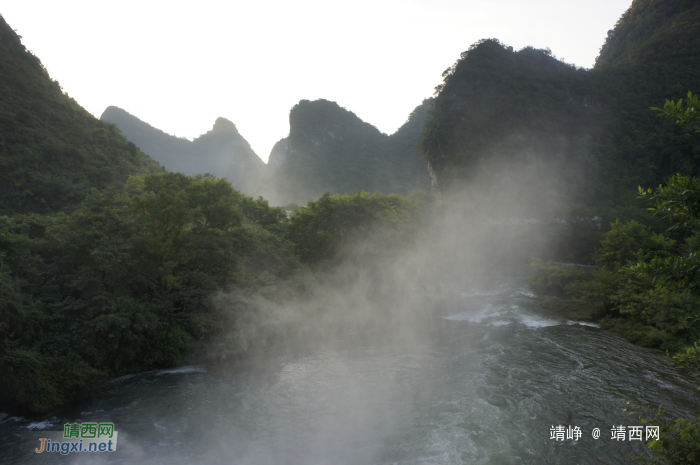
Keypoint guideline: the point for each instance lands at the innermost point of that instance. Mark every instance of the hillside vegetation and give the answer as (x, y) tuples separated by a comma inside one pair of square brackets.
[(52, 151), (134, 280)]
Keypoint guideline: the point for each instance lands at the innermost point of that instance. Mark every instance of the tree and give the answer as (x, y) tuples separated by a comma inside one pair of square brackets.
[(679, 202), (683, 114)]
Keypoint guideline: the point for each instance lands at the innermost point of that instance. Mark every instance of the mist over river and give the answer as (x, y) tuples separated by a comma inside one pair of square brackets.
[(485, 385)]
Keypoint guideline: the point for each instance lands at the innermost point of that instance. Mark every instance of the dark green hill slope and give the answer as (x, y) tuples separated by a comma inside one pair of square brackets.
[(504, 116), (52, 151), (222, 151), (654, 31), (653, 54), (330, 149), (544, 136)]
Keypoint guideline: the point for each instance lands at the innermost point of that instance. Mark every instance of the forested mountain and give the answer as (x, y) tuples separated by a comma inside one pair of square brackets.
[(222, 151), (534, 129), (52, 151), (654, 31), (330, 149)]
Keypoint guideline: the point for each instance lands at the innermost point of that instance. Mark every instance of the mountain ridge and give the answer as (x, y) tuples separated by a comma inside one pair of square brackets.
[(222, 151), (329, 148)]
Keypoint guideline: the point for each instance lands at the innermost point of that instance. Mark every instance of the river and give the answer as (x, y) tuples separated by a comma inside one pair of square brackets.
[(486, 386)]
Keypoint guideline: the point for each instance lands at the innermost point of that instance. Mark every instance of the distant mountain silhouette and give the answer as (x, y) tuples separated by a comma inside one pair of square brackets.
[(330, 149), (222, 151)]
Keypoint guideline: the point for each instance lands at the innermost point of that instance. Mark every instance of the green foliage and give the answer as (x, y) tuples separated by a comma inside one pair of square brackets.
[(650, 29), (325, 228), (678, 271), (52, 151), (40, 383), (548, 278), (647, 313), (679, 438), (642, 334), (682, 114), (125, 281), (630, 242), (679, 202), (689, 358), (679, 441), (656, 306), (137, 279)]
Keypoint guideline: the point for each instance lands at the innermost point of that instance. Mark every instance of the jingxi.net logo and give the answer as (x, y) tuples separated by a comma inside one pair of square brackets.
[(80, 437)]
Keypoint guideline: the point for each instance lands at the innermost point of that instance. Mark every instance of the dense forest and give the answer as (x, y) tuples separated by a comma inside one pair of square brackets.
[(222, 152), (127, 281)]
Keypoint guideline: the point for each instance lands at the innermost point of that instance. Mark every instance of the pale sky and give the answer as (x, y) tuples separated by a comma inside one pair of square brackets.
[(179, 65)]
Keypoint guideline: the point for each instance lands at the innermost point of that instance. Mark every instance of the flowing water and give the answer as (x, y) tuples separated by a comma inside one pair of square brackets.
[(486, 386)]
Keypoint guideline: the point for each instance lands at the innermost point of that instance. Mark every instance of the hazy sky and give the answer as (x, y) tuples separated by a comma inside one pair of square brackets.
[(179, 65)]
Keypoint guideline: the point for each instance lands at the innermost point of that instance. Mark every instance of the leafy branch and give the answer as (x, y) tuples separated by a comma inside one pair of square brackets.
[(684, 113)]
